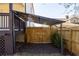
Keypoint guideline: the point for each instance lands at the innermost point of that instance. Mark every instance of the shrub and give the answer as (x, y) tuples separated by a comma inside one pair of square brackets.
[(56, 39)]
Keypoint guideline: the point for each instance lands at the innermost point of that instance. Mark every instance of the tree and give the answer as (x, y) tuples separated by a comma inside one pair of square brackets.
[(71, 7)]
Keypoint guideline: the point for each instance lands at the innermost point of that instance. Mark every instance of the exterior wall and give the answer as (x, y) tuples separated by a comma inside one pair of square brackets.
[(19, 7), (74, 20), (29, 8), (4, 7)]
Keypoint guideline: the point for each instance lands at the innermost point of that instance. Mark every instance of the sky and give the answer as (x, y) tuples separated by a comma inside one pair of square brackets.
[(52, 10)]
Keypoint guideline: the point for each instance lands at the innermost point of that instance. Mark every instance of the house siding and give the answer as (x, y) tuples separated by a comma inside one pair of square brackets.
[(4, 7)]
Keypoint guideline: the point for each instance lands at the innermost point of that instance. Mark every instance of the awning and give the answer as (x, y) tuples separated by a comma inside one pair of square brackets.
[(38, 19)]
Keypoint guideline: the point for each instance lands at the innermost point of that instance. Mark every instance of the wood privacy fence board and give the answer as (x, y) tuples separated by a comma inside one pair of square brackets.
[(74, 35), (77, 36), (77, 49), (66, 34), (74, 47), (68, 45)]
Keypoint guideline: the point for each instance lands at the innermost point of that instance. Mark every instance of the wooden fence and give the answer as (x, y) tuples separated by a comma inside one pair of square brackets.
[(71, 38), (38, 34)]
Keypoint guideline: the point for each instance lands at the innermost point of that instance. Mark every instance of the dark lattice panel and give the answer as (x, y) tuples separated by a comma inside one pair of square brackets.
[(2, 45)]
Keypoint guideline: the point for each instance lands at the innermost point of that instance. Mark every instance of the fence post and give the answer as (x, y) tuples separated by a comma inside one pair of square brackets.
[(62, 45), (50, 30)]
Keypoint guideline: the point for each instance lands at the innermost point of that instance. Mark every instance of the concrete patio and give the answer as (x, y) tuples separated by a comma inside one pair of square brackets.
[(37, 50)]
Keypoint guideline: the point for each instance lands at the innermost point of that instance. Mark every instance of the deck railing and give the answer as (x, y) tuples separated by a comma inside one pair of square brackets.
[(4, 20)]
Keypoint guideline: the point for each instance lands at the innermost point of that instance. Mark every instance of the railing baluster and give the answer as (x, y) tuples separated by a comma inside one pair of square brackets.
[(0, 21), (5, 21)]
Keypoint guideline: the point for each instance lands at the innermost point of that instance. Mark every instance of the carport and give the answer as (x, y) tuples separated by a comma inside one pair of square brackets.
[(41, 20)]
